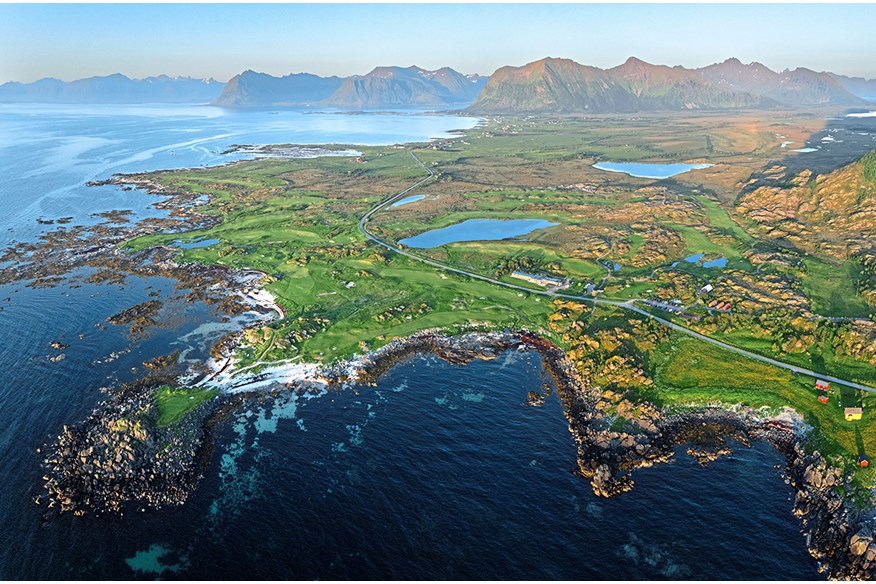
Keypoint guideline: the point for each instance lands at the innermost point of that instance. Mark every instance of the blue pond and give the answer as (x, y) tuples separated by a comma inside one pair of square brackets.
[(643, 170), (407, 200), (697, 257), (718, 263), (191, 244), (476, 230)]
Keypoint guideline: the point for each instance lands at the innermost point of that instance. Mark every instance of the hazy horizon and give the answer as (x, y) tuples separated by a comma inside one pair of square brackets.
[(78, 41)]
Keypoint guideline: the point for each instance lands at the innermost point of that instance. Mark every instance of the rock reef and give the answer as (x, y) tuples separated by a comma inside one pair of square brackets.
[(120, 456)]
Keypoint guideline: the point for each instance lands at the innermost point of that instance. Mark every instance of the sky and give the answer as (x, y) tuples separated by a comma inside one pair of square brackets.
[(70, 41)]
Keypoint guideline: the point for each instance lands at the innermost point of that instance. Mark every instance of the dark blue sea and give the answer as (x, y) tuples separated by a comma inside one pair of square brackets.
[(439, 471)]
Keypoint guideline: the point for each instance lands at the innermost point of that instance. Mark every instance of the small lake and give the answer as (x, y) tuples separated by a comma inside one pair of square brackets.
[(476, 230), (697, 258), (718, 263), (408, 200), (194, 243), (645, 170)]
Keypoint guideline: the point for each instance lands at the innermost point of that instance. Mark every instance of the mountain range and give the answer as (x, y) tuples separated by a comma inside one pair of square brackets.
[(859, 86), (548, 85), (383, 87), (115, 88), (562, 85)]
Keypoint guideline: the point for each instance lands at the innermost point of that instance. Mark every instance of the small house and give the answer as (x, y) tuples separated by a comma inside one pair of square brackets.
[(862, 460), (823, 399), (853, 414), (822, 384)]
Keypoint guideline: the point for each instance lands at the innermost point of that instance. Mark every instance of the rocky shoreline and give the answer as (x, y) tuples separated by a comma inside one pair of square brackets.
[(118, 456), (838, 535), (119, 459), (103, 466)]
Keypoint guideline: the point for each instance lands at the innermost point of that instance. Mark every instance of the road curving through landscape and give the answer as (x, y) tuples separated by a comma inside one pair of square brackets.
[(628, 304)]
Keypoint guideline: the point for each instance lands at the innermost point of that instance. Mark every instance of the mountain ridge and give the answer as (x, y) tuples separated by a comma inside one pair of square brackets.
[(547, 85), (114, 88), (383, 86), (253, 89), (565, 86)]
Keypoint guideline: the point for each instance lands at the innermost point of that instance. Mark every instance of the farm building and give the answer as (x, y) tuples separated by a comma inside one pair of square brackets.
[(852, 414), (542, 280), (822, 384)]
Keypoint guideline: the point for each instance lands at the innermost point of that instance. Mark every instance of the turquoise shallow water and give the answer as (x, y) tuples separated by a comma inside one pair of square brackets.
[(439, 471)]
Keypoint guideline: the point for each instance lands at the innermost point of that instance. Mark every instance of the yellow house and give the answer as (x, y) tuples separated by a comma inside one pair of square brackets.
[(853, 413)]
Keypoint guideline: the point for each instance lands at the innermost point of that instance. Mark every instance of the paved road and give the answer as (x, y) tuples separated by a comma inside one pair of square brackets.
[(628, 305)]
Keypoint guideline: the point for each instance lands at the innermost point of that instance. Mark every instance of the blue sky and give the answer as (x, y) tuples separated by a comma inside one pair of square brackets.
[(71, 41)]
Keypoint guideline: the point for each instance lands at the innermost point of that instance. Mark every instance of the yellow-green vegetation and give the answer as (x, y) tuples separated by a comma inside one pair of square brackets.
[(296, 220), (688, 371), (173, 403), (830, 284), (635, 362)]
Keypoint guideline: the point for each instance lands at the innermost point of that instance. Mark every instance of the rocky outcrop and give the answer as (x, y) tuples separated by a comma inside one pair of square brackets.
[(838, 535), (119, 455)]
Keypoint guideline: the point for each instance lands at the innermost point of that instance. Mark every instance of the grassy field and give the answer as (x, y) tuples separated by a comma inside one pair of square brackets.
[(174, 403), (830, 286), (690, 371)]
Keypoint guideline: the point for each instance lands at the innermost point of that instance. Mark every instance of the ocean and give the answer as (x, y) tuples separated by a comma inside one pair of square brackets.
[(438, 471)]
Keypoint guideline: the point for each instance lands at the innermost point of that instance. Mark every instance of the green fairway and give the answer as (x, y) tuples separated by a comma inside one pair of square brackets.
[(174, 403)]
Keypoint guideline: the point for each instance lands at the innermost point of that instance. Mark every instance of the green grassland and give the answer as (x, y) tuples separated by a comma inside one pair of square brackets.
[(830, 286), (296, 220), (174, 403), (690, 371)]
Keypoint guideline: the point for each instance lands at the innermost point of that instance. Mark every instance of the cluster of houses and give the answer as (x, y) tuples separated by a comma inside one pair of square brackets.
[(715, 304), (721, 306), (850, 414), (441, 145)]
